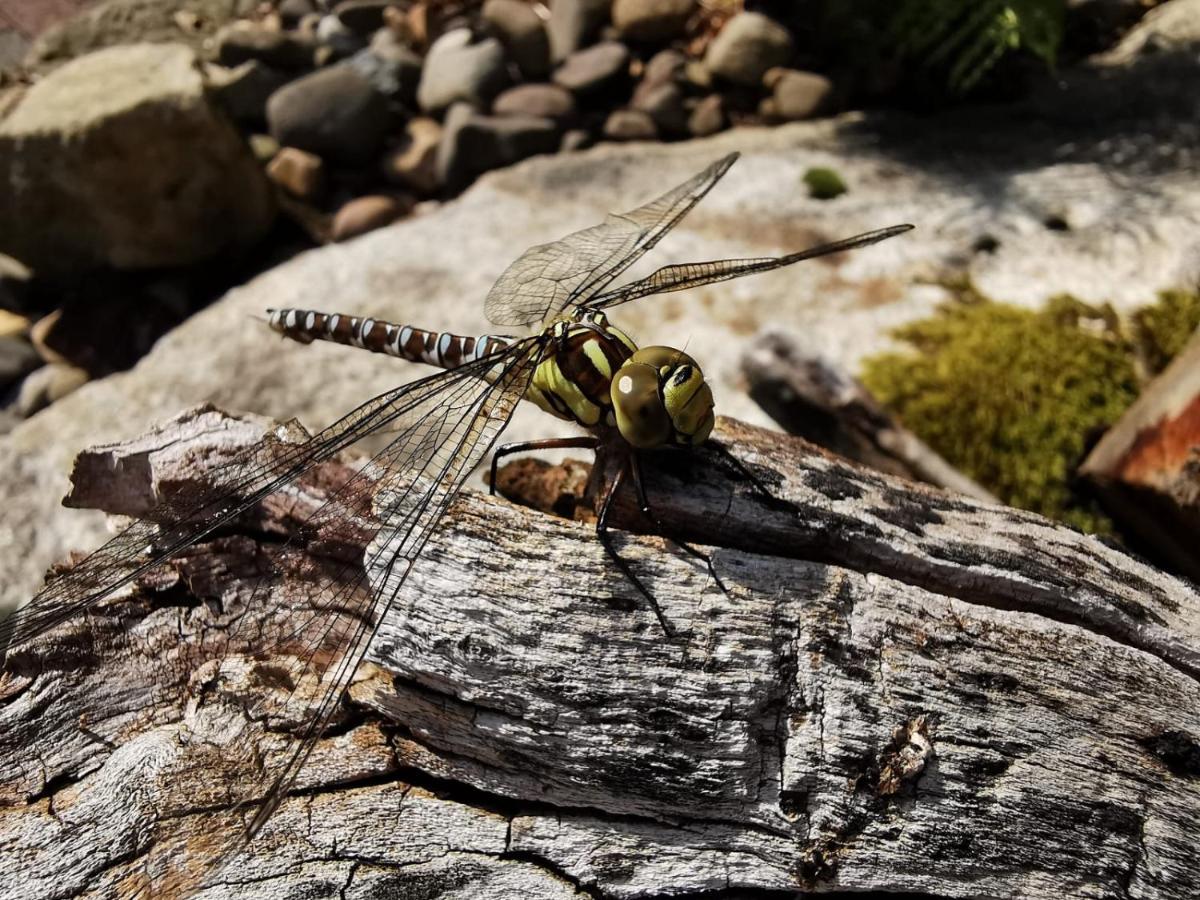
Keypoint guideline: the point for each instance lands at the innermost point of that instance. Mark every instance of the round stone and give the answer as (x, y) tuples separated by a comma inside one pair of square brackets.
[(594, 69), (334, 113), (630, 125), (522, 33), (748, 45), (458, 70), (546, 101), (364, 214), (651, 20)]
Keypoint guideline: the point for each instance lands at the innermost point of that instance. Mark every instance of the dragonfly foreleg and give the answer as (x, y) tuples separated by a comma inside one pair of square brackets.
[(639, 485), (606, 541), (569, 443)]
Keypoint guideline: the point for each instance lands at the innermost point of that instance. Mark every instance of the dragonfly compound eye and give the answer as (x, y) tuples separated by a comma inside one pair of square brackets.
[(660, 397)]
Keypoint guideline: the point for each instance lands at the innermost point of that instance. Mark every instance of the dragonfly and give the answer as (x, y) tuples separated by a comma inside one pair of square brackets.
[(574, 364)]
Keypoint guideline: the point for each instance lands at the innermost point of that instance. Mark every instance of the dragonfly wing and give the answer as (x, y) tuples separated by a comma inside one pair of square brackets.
[(292, 632), (179, 521), (682, 276), (548, 278)]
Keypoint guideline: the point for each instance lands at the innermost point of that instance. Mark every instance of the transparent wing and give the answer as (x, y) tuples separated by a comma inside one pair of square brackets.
[(548, 278), (688, 275), (180, 521), (291, 637)]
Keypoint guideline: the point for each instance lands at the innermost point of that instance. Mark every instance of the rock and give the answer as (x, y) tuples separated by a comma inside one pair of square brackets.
[(542, 101), (413, 164), (748, 45), (123, 151), (575, 139), (697, 75), (1168, 28), (243, 42), (594, 70), (243, 91), (362, 16), (473, 144), (573, 24), (47, 385), (523, 35), (13, 324), (118, 22), (664, 66), (291, 12), (17, 358), (663, 102), (629, 125), (298, 172), (394, 73), (338, 40), (457, 70), (651, 20), (1146, 468), (263, 146), (708, 116), (798, 95), (364, 214), (15, 284), (334, 113)]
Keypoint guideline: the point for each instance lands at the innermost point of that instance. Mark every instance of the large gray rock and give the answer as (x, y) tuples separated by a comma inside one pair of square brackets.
[(119, 159), (113, 22), (1126, 178)]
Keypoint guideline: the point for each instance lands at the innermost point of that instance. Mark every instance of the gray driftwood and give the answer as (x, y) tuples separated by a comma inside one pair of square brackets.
[(904, 690), (811, 397)]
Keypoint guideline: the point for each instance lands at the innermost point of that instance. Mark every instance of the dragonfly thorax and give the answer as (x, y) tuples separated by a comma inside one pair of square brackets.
[(592, 373)]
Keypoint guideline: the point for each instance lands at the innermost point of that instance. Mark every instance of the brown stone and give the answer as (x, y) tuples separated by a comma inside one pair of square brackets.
[(413, 163), (300, 173), (364, 214)]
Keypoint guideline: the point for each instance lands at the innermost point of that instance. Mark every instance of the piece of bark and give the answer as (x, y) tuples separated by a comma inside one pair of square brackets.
[(903, 690), (812, 399), (1146, 468)]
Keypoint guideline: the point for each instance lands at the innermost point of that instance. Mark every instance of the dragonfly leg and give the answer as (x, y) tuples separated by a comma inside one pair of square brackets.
[(639, 485), (576, 443), (606, 541)]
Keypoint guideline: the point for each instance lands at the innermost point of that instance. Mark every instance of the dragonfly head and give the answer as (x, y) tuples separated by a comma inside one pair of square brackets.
[(660, 398)]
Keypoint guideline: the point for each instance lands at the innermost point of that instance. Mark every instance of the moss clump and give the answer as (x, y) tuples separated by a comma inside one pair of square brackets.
[(1011, 396), (824, 184), (1163, 328)]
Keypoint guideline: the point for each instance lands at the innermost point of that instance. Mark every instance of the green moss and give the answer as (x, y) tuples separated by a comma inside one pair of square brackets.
[(1162, 328), (824, 184), (1012, 397)]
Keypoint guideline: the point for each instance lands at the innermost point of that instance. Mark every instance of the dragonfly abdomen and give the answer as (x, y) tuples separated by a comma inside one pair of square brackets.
[(434, 348)]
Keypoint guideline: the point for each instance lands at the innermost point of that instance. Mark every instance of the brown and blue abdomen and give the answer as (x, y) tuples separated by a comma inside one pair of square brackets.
[(572, 381), (435, 348)]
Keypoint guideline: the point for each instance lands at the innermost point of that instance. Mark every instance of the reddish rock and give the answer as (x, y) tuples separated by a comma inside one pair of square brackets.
[(364, 214), (300, 173), (1146, 468), (413, 163)]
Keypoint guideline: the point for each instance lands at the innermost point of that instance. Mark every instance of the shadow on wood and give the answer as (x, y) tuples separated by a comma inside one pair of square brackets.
[(903, 690)]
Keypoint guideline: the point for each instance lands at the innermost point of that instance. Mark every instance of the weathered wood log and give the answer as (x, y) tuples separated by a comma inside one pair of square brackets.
[(811, 398), (903, 690)]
